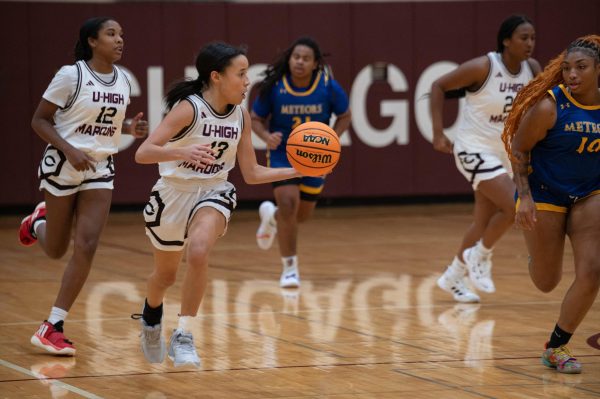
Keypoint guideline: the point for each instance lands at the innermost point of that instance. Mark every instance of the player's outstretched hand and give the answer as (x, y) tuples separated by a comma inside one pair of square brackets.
[(138, 127)]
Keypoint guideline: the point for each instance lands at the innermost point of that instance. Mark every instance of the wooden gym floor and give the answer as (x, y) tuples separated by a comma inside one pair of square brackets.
[(368, 321)]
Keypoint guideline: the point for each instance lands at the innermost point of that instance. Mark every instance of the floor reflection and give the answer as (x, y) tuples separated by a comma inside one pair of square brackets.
[(322, 323), (50, 369)]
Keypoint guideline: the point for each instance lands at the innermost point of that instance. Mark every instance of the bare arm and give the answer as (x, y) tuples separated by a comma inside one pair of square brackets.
[(535, 66), (472, 75), (152, 150), (261, 128), (43, 124), (342, 123), (252, 172), (533, 128)]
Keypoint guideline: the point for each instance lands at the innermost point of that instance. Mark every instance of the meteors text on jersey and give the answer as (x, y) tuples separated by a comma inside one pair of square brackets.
[(297, 109)]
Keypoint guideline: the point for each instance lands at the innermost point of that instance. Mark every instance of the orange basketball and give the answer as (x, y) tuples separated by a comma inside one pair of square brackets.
[(313, 149)]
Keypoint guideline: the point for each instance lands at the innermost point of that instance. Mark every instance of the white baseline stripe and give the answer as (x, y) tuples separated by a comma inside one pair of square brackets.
[(57, 383)]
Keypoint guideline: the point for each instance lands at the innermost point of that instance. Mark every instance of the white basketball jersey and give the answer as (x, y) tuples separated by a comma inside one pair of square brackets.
[(486, 110), (92, 120), (222, 132)]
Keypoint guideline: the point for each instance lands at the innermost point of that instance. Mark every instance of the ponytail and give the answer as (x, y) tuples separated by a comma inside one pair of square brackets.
[(215, 56), (90, 28), (182, 89)]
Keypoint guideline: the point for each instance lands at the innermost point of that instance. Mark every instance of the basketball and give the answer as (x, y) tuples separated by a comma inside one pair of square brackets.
[(313, 149)]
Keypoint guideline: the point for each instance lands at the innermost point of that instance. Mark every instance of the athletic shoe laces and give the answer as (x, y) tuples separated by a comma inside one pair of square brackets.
[(185, 345)]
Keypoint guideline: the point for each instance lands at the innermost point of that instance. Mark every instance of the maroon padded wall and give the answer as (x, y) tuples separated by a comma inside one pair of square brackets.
[(409, 35)]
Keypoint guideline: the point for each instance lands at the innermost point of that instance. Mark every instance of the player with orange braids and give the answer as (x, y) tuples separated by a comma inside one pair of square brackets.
[(552, 136)]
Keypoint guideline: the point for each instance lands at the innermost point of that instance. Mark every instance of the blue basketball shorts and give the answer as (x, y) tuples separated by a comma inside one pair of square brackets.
[(310, 187), (547, 199)]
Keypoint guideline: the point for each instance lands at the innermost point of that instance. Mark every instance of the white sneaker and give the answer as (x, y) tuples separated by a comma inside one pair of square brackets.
[(480, 269), (457, 286), (268, 227), (182, 350), (153, 343), (290, 278)]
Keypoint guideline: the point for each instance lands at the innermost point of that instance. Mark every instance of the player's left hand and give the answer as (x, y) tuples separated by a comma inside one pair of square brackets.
[(138, 127)]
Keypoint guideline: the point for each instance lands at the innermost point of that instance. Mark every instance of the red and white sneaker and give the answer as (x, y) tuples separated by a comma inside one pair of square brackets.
[(27, 236), (50, 337)]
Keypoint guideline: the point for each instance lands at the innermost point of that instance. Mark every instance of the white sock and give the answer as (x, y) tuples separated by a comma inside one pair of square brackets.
[(57, 314), (457, 267), (289, 262), (36, 225), (482, 249), (273, 220), (183, 323)]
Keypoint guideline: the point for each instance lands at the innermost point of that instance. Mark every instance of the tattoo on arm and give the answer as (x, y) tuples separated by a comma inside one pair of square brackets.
[(521, 170)]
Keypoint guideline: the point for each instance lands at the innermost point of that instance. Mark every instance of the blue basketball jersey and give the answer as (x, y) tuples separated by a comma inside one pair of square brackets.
[(567, 160), (290, 106)]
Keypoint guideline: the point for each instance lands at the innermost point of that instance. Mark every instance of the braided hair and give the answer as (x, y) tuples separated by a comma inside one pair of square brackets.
[(537, 88), (281, 66)]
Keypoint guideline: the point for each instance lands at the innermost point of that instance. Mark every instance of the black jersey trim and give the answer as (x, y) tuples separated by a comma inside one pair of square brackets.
[(505, 69), (102, 82), (242, 119), (183, 132), (215, 113), (99, 180), (163, 242), (487, 78), (477, 167), (59, 186), (126, 80), (77, 88), (227, 205)]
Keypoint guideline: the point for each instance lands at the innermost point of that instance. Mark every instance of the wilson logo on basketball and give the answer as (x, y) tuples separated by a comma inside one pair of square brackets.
[(313, 149), (309, 138), (315, 158)]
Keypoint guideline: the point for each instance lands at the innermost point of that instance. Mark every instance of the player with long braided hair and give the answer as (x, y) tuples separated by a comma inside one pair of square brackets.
[(552, 136), (298, 87)]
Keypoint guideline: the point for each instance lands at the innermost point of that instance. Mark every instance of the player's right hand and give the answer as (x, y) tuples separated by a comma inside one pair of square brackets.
[(199, 154), (274, 140), (442, 143), (525, 217), (80, 160)]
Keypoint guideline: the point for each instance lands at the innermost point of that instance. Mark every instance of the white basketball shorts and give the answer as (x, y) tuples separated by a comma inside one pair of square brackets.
[(60, 178), (477, 166), (172, 206)]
